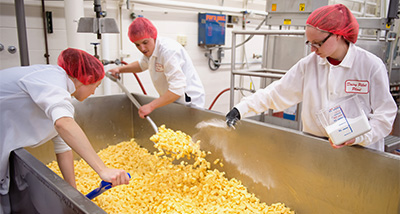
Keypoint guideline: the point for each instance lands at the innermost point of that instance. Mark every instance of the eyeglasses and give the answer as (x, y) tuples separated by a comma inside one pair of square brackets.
[(319, 44)]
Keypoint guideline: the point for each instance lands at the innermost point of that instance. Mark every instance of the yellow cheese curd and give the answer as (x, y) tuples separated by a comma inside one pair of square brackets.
[(159, 186)]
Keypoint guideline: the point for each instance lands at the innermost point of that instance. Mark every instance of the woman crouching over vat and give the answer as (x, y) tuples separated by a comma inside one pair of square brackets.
[(36, 107)]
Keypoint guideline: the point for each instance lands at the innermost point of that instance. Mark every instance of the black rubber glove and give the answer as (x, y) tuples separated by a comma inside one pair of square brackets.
[(232, 117)]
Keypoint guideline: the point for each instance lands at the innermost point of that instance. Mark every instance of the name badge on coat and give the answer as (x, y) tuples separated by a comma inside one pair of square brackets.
[(159, 67), (357, 86)]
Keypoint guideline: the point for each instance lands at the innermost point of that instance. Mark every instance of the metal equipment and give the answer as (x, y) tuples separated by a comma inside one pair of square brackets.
[(282, 49), (98, 25), (293, 12), (276, 164), (211, 29), (134, 101), (276, 43)]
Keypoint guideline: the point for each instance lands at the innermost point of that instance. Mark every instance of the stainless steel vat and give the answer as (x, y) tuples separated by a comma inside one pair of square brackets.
[(275, 163)]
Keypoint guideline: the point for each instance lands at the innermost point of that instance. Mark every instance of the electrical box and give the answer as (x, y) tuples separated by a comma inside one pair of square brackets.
[(294, 6), (211, 29), (291, 12)]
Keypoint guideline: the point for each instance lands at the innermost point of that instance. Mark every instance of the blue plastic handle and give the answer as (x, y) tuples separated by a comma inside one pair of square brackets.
[(104, 185)]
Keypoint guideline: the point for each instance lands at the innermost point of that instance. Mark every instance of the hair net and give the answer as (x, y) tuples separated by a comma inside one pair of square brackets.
[(81, 65), (141, 28), (336, 19)]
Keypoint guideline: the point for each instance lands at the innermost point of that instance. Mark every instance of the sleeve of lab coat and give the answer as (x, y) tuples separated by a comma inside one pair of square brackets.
[(279, 95), (173, 64), (59, 145), (49, 91), (383, 108)]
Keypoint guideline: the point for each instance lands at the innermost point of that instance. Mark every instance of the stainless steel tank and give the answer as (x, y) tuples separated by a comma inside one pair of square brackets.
[(274, 163)]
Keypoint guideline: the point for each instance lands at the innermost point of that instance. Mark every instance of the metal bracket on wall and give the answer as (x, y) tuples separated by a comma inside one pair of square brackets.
[(12, 49)]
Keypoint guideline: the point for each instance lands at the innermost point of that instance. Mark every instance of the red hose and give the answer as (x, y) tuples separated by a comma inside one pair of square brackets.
[(138, 79), (212, 104), (140, 83)]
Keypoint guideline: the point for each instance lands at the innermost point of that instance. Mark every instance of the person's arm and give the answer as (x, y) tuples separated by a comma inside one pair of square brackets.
[(66, 164), (279, 95), (133, 67), (163, 100), (74, 136), (383, 109)]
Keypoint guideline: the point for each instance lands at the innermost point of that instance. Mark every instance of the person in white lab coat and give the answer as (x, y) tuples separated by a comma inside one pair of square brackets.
[(171, 69), (35, 103), (328, 74)]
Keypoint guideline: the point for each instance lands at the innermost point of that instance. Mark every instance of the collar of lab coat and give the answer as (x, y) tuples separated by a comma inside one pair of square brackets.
[(347, 60), (156, 51), (70, 84)]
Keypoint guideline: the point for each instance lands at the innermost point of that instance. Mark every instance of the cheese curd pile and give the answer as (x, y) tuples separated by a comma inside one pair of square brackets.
[(159, 186)]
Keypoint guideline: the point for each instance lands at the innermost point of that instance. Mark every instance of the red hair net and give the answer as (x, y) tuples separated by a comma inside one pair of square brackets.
[(336, 19), (81, 65), (141, 28)]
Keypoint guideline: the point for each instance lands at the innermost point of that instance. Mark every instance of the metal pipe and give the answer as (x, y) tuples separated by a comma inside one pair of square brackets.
[(271, 32), (21, 28), (97, 10), (134, 101), (105, 54), (121, 38), (188, 5), (266, 33), (392, 49), (238, 63), (258, 74), (46, 45), (233, 61), (272, 73), (269, 70), (74, 10)]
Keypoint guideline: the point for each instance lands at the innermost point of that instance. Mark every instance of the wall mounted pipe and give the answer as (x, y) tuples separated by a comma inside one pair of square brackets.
[(194, 6), (105, 54), (74, 10), (21, 28), (46, 44)]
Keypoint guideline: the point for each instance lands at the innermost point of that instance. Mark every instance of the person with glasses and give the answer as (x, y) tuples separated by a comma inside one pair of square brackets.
[(335, 69)]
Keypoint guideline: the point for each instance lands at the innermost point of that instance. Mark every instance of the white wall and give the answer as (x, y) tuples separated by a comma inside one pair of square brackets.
[(169, 22)]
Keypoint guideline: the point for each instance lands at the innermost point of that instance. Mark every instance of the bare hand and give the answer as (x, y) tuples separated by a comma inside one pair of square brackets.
[(115, 72), (347, 143), (145, 110), (114, 176)]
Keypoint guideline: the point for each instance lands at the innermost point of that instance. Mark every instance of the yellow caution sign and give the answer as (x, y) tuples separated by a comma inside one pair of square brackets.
[(302, 7), (273, 7), (287, 21)]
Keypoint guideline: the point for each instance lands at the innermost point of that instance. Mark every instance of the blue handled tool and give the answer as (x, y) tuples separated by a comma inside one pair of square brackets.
[(104, 185)]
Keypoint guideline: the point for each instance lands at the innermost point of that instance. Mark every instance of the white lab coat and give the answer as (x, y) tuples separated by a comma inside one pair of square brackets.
[(172, 69), (32, 98), (317, 83)]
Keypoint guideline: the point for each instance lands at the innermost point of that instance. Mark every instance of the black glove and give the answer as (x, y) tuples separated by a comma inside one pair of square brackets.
[(232, 117)]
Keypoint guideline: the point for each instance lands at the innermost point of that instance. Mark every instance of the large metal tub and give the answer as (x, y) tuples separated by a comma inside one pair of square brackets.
[(277, 164)]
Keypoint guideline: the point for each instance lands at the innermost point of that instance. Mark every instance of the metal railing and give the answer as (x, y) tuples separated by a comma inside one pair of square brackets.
[(264, 72)]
